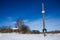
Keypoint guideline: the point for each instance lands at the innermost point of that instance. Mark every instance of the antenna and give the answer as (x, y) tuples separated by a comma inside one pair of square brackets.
[(43, 11), (43, 20)]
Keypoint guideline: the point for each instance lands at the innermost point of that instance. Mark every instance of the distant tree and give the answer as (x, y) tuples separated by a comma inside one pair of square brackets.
[(0, 27), (21, 26), (5, 27), (25, 28), (19, 23), (35, 31)]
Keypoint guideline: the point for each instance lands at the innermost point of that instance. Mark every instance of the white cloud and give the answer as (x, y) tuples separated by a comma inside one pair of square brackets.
[(35, 25), (26, 21), (8, 22), (14, 22)]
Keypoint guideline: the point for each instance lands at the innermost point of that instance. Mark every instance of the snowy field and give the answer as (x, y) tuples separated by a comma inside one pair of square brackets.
[(16, 36)]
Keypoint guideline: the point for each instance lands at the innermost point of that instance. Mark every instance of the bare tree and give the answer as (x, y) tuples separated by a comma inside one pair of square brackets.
[(25, 29)]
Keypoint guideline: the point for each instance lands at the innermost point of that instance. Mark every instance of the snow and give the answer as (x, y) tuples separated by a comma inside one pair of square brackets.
[(14, 28), (16, 36)]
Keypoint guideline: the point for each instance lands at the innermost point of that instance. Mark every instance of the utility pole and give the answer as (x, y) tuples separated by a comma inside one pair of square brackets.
[(43, 20)]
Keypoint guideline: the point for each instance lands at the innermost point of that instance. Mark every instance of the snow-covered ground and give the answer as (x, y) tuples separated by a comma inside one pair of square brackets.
[(16, 36)]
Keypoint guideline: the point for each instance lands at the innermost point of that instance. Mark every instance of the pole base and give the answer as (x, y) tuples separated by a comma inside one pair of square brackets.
[(44, 30)]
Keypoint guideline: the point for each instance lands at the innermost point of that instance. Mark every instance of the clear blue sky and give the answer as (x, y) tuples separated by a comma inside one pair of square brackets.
[(30, 12)]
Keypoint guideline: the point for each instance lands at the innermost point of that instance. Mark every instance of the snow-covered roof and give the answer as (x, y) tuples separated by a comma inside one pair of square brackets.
[(14, 28)]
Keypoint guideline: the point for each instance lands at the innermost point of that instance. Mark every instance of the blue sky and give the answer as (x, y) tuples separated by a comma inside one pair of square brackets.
[(30, 12)]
